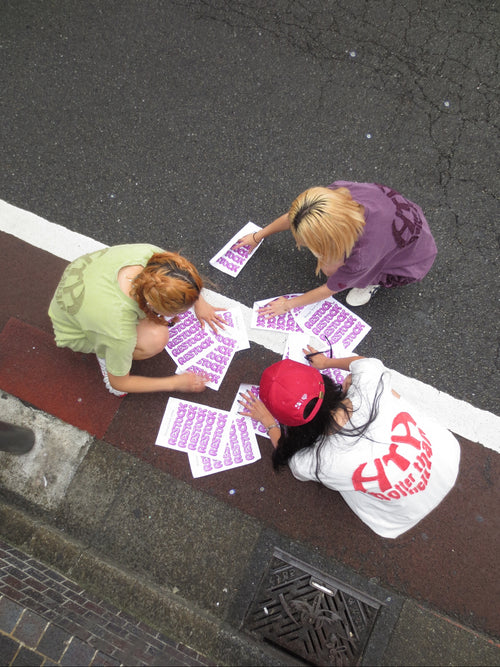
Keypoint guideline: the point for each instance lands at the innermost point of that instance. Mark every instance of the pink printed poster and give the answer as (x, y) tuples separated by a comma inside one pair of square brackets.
[(330, 319), (191, 427), (187, 339), (215, 440), (213, 363), (241, 449), (199, 350), (283, 323), (231, 260)]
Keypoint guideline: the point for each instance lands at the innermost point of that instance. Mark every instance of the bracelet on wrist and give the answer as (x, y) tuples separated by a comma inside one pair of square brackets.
[(253, 236), (275, 425)]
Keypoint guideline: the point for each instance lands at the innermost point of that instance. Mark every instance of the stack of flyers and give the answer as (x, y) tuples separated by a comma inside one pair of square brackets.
[(231, 260), (330, 319), (215, 440), (200, 350), (324, 319)]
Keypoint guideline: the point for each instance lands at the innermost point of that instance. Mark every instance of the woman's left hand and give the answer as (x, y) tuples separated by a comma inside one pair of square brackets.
[(207, 313), (253, 407)]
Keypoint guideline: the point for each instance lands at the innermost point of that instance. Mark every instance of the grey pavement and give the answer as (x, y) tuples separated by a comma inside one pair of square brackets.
[(176, 122)]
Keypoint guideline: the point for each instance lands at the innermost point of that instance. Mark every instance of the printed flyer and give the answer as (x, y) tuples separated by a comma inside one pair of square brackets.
[(199, 350), (282, 323), (231, 260), (330, 318), (215, 440)]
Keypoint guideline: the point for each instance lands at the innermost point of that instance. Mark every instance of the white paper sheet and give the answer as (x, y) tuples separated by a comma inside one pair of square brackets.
[(236, 326), (215, 440), (231, 260), (201, 351), (330, 318), (281, 323), (298, 342)]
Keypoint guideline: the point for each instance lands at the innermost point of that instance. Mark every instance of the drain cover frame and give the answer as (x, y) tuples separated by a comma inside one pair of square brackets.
[(309, 614)]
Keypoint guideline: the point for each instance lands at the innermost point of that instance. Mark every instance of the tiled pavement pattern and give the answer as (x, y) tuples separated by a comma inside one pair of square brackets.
[(46, 619)]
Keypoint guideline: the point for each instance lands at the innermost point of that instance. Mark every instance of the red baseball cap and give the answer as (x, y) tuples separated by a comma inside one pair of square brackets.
[(287, 387)]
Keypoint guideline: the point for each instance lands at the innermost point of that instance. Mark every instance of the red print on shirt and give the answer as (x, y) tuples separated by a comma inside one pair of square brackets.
[(417, 469)]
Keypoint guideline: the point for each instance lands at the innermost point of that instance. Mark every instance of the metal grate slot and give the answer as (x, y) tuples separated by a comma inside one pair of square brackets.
[(311, 615)]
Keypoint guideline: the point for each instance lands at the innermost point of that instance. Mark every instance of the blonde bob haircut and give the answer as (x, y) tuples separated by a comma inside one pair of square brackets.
[(168, 285), (328, 222)]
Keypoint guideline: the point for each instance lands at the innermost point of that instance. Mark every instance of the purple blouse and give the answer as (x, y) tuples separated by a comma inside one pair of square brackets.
[(396, 246)]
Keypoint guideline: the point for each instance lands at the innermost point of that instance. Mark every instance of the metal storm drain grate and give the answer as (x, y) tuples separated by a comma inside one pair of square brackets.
[(311, 615)]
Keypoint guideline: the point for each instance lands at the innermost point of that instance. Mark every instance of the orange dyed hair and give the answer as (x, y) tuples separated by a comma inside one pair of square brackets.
[(328, 222), (168, 285)]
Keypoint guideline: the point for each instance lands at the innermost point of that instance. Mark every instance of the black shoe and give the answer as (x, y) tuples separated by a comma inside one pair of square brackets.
[(16, 439)]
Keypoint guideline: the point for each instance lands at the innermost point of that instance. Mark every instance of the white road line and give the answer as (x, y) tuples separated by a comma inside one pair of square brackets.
[(458, 416)]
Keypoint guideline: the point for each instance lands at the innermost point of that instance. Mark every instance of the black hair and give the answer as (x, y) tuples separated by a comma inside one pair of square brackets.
[(315, 432), (172, 269), (309, 205)]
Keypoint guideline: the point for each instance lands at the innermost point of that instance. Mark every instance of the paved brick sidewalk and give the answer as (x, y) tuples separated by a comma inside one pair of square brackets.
[(46, 619)]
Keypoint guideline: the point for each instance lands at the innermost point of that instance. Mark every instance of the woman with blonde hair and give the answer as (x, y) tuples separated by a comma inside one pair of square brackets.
[(363, 235), (119, 303)]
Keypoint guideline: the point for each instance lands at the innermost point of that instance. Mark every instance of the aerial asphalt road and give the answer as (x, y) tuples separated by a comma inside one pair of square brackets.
[(177, 122)]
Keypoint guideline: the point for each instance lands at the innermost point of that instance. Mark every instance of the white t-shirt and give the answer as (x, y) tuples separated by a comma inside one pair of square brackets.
[(398, 471)]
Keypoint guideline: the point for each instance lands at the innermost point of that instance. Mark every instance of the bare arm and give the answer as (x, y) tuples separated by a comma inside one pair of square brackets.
[(135, 384), (321, 361), (252, 240), (282, 305)]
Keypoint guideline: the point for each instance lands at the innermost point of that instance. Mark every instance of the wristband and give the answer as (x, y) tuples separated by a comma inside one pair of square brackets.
[(275, 425), (255, 240)]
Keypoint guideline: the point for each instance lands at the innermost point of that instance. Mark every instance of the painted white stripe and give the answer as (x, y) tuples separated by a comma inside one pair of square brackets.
[(458, 416), (43, 234)]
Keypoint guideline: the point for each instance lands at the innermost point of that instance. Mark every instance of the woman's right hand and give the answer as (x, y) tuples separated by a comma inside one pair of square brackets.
[(248, 241), (191, 382), (319, 361), (275, 308), (252, 240)]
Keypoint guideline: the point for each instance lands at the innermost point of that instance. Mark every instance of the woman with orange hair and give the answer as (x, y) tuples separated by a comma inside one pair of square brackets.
[(119, 303), (363, 235)]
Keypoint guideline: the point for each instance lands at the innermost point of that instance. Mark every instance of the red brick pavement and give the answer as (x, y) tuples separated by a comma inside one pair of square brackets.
[(47, 619)]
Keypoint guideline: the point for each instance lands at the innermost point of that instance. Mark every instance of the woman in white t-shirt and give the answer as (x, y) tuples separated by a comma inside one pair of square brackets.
[(391, 464)]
